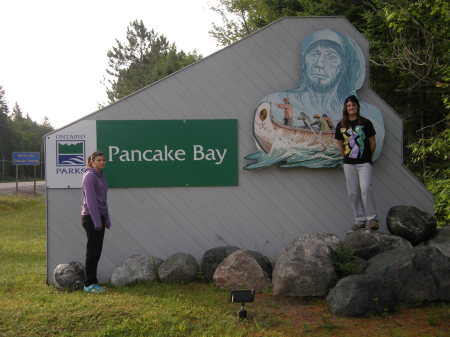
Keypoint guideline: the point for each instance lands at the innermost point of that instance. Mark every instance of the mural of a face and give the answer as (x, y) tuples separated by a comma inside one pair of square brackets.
[(296, 127), (323, 66)]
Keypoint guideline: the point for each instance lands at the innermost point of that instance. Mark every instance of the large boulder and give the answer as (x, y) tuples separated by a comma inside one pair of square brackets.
[(367, 243), (241, 270), (357, 295), (69, 276), (212, 258), (305, 268), (263, 261), (359, 265), (328, 238), (414, 274), (411, 223), (135, 268), (441, 240), (178, 268)]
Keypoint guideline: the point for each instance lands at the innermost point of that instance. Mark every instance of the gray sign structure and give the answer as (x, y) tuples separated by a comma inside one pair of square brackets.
[(270, 207)]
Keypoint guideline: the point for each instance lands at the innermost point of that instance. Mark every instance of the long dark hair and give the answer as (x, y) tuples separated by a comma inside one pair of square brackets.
[(345, 120), (94, 154)]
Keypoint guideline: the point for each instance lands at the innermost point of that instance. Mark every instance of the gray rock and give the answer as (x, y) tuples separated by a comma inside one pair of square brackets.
[(212, 258), (331, 239), (367, 243), (263, 261), (414, 274), (178, 268), (360, 265), (411, 223), (441, 241), (357, 295), (241, 270), (135, 268), (305, 268), (69, 276)]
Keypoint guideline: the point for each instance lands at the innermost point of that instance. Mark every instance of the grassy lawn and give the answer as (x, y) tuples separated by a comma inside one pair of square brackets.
[(28, 307)]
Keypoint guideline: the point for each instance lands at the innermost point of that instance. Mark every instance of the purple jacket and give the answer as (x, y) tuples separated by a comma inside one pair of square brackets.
[(94, 190)]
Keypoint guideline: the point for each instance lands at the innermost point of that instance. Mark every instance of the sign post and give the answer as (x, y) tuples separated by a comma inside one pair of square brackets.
[(25, 158)]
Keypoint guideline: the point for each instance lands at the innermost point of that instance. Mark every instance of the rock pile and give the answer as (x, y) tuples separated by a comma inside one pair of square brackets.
[(409, 265)]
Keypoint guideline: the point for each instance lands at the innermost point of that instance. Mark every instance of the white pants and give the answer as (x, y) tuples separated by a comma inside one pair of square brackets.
[(359, 188)]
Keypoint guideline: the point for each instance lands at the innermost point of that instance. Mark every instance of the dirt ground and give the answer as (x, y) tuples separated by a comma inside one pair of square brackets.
[(295, 317)]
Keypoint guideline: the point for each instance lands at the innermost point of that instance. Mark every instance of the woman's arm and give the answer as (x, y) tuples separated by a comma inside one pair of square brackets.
[(91, 200), (373, 145), (340, 144)]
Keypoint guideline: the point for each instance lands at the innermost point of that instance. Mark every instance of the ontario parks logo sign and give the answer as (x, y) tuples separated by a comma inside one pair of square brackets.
[(70, 152)]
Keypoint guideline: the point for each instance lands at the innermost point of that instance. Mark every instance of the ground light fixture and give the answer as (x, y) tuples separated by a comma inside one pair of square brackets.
[(242, 296)]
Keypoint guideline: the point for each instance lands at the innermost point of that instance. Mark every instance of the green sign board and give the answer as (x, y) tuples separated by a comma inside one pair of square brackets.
[(144, 153)]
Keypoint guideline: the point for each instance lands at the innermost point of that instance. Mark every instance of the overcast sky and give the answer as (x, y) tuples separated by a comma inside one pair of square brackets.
[(53, 52)]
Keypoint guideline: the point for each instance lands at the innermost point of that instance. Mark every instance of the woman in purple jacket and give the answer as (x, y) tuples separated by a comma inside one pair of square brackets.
[(94, 216)]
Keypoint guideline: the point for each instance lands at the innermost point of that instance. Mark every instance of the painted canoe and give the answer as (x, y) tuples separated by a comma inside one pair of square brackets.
[(266, 130)]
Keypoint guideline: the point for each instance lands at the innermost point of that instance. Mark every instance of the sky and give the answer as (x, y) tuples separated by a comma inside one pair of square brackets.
[(53, 52)]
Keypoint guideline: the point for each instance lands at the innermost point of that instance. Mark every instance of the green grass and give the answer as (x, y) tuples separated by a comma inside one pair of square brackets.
[(144, 309), (29, 307)]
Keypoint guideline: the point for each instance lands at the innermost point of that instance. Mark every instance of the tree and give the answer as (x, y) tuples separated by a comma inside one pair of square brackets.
[(5, 130), (142, 59), (26, 133), (46, 124), (17, 113), (433, 153), (235, 26), (242, 17), (416, 54)]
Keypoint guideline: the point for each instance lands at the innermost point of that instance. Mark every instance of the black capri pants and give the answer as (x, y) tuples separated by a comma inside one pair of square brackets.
[(93, 248)]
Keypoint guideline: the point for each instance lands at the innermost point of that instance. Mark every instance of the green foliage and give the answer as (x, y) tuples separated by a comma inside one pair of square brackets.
[(5, 130), (344, 261), (142, 59), (437, 316), (434, 150), (433, 154), (242, 17), (26, 133)]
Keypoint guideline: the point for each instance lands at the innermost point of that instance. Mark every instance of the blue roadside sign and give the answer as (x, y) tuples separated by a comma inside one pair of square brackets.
[(26, 158)]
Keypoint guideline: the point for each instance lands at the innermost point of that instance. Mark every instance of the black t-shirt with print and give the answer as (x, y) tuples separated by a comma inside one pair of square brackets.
[(356, 141)]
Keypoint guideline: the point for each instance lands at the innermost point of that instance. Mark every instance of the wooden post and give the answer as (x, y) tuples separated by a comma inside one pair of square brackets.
[(34, 166), (17, 179)]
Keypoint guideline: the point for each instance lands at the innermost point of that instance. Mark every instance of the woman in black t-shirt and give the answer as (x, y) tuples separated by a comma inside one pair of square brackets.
[(356, 141)]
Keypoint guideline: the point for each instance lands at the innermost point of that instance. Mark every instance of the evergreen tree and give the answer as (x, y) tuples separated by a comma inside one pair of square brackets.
[(26, 133), (17, 113), (143, 58), (5, 130)]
